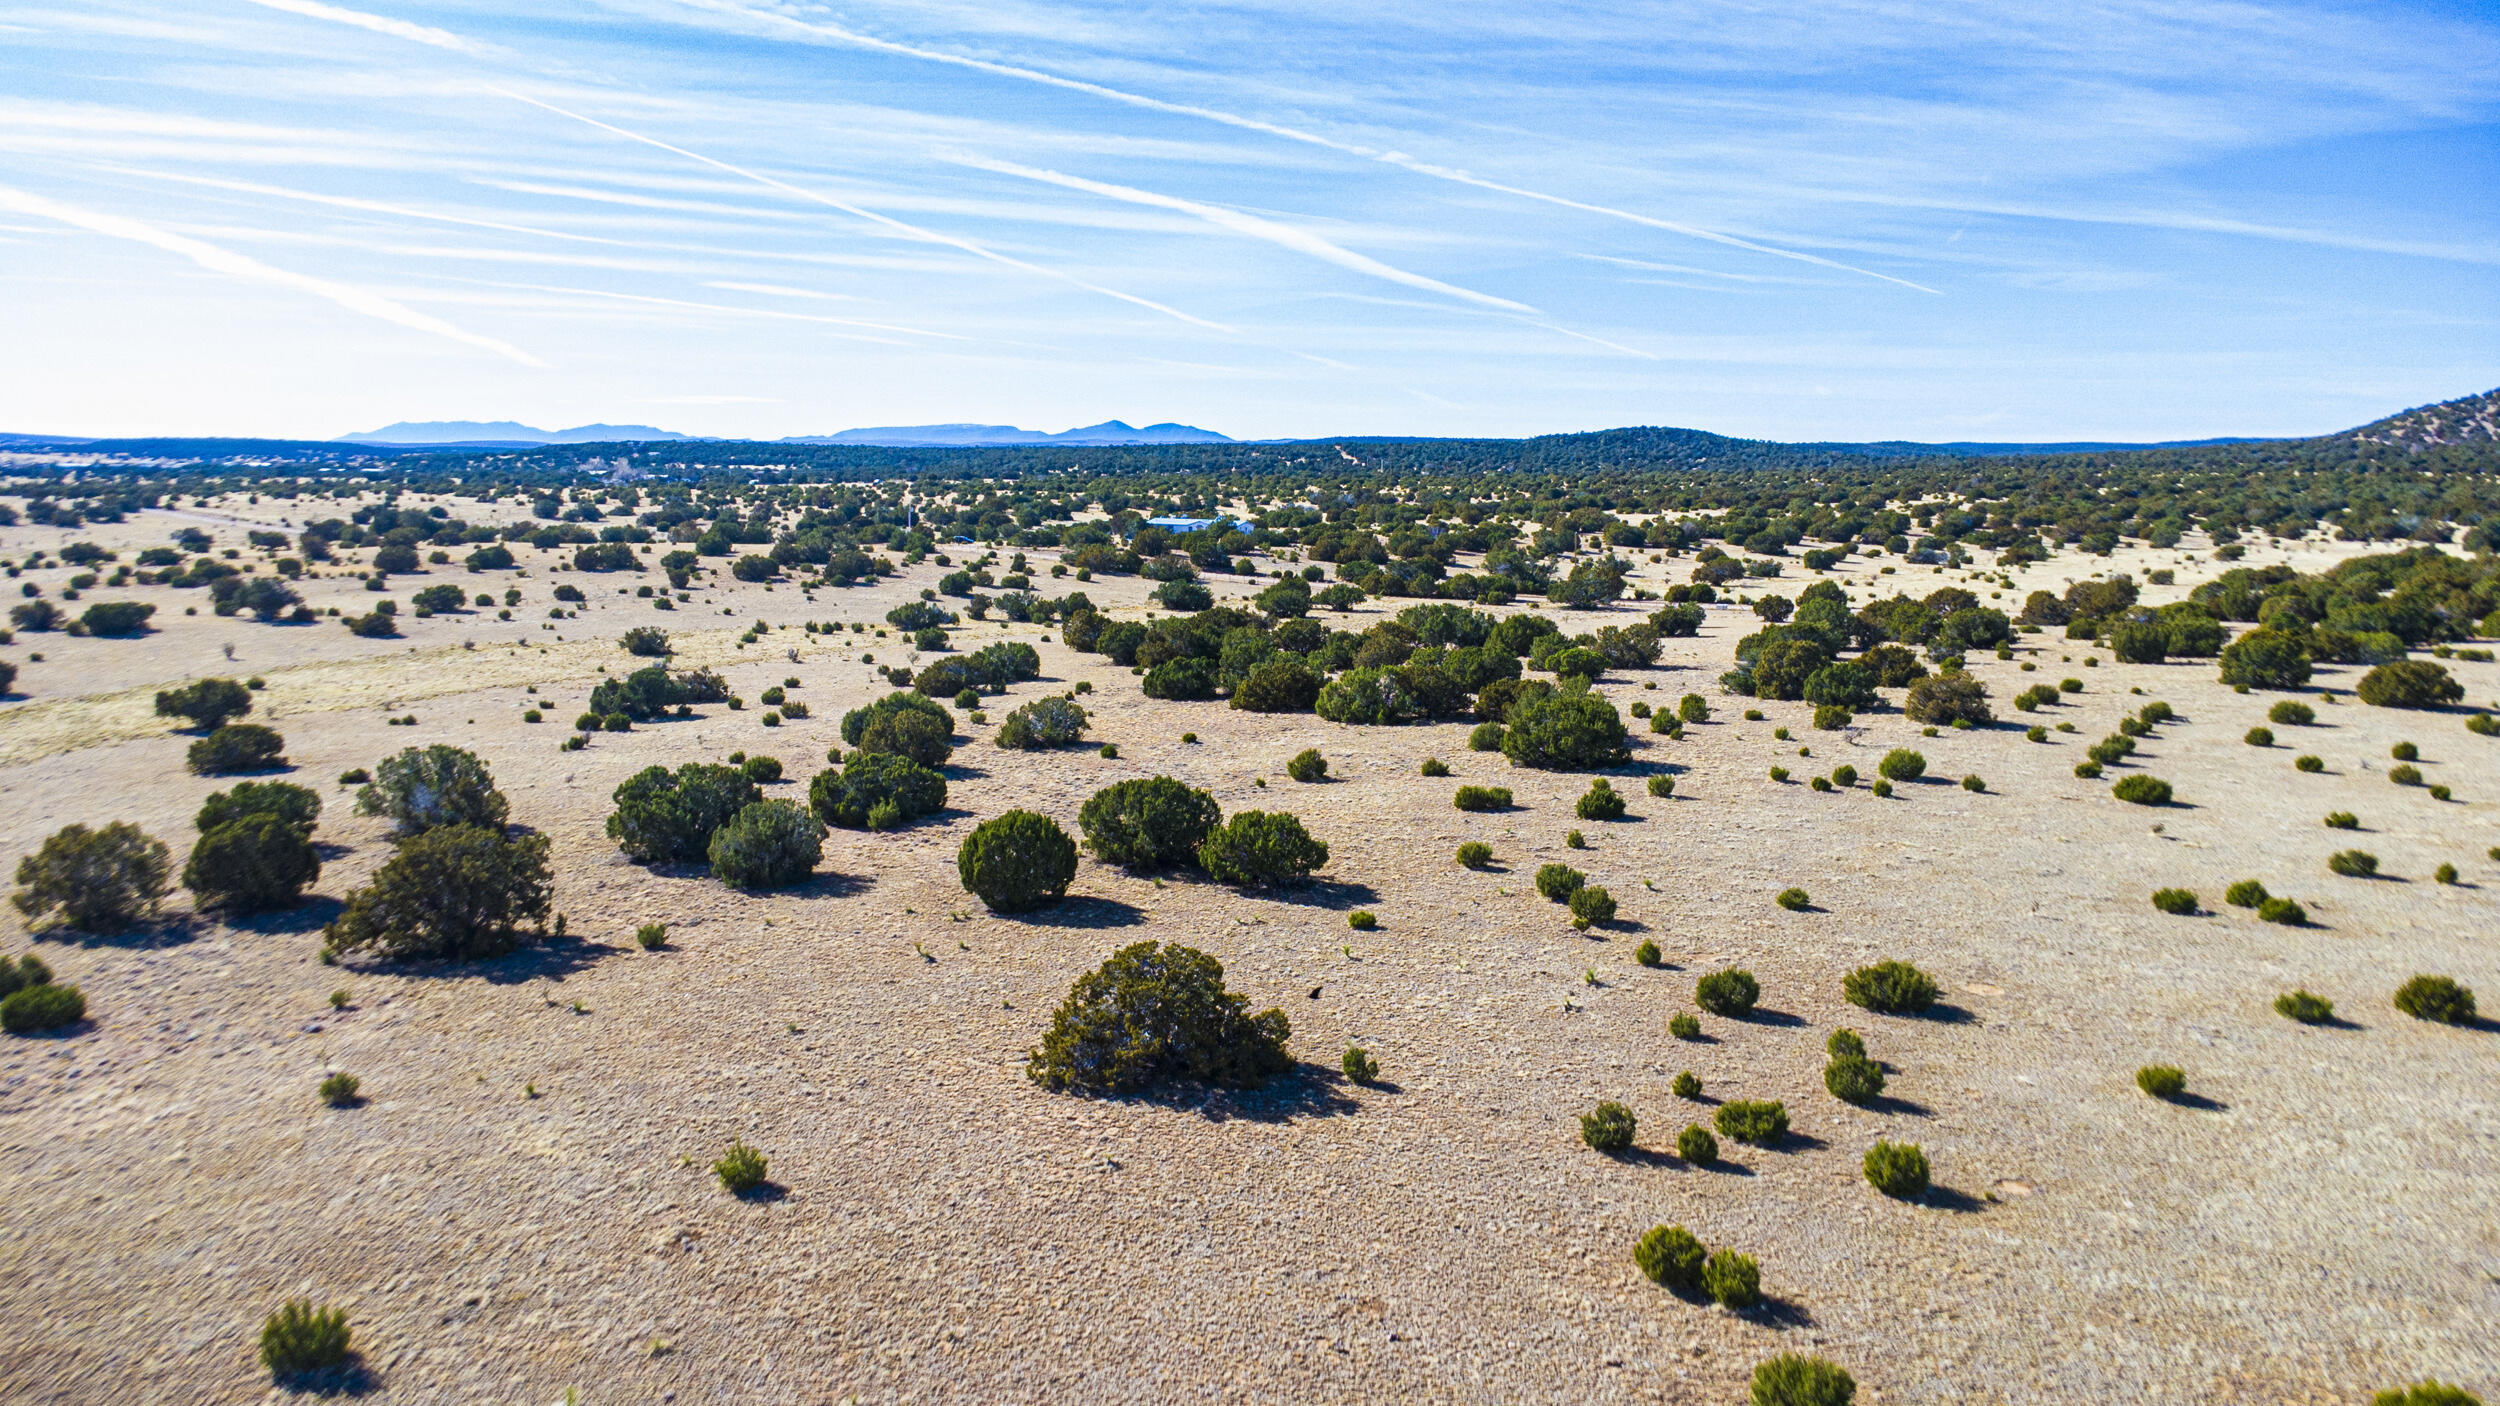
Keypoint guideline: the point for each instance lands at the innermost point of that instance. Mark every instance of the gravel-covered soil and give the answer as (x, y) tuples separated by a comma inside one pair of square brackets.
[(524, 1203)]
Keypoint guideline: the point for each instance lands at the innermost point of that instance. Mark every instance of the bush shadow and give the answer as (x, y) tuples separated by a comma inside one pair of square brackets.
[(1942, 1013), (1321, 893), (330, 850), (1945, 1198), (1778, 1313), (763, 1193), (2185, 1099), (1886, 1103), (1793, 1141), (1083, 911), (352, 1379), (829, 885), (168, 930), (315, 911), (1644, 1157), (1305, 1091), (1764, 1015), (553, 959)]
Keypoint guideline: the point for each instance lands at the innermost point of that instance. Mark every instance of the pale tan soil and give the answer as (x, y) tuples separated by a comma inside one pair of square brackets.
[(2321, 1224)]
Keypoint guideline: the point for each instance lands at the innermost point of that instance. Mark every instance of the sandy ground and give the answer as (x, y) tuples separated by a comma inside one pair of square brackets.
[(523, 1203)]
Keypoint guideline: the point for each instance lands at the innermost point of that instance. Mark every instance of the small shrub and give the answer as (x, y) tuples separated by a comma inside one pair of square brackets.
[(769, 844), (2405, 775), (1608, 1128), (1475, 854), (1602, 802), (339, 1090), (1591, 906), (2312, 765), (1482, 798), (1362, 920), (1831, 717), (2088, 771), (1152, 823), (1897, 1169), (1041, 724), (741, 1169), (2142, 790), (1791, 1379), (1853, 1079), (2405, 752), (2259, 737), (1559, 881), (41, 1004), (2440, 793), (252, 864), (1358, 1065), (1684, 1025), (300, 1338), (1646, 954), (1844, 776), (2179, 903), (2304, 1006), (1696, 1145), (2283, 911), (2430, 1393), (2353, 864), (101, 881), (2163, 1081), (2444, 874), (1901, 764), (1257, 848), (1434, 766), (2342, 820), (2035, 734), (1155, 1012), (2247, 893), (2408, 683), (456, 892), (2436, 998), (1017, 861), (1890, 988), (1794, 900), (1307, 765), (1662, 786), (1732, 1280), (1779, 774), (651, 937), (1730, 993), (761, 770), (1487, 737), (665, 817), (1671, 1256), (207, 705), (1882, 789), (237, 748), (1687, 1085), (2483, 725)]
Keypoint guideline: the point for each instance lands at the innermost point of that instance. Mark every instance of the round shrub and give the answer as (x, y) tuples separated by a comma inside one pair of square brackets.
[(236, 748), (1973, 784), (2353, 864), (1482, 798), (2265, 658), (1602, 802), (2247, 893), (2436, 998), (1794, 900), (1794, 1380), (2405, 775), (1283, 685), (1732, 1280), (454, 892), (1433, 766), (1897, 1169), (1730, 993), (423, 787), (1257, 848), (2142, 790), (1153, 823), (2284, 911), (99, 881), (1591, 906), (1559, 881), (1901, 764), (1358, 1065), (1941, 700), (2431, 1393), (251, 865), (769, 844), (665, 817), (2408, 683), (1487, 737), (1152, 1013), (1646, 954), (45, 1005), (1684, 1025), (1307, 765), (1042, 724), (2444, 874), (2405, 752), (1475, 854), (2259, 737), (1362, 920), (1687, 1085), (298, 806), (2161, 1080), (300, 1338), (339, 1090), (877, 791), (1853, 1079), (1890, 988), (1608, 1128), (1671, 1256), (1017, 862), (1662, 786), (1567, 731), (2304, 1006), (2088, 771), (207, 704), (2308, 764), (905, 725), (1696, 1145), (1752, 1120), (2179, 903), (761, 770), (2291, 714)]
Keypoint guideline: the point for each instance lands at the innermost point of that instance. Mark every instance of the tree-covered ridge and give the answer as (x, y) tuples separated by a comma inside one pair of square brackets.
[(2474, 419)]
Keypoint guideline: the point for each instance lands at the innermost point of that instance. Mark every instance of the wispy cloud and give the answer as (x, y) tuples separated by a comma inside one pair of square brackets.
[(378, 24), (226, 261)]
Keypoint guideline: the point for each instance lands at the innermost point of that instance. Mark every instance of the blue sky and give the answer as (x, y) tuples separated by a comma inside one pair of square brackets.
[(1925, 219)]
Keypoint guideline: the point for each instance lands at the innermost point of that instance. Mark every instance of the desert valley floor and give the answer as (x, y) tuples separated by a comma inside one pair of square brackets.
[(524, 1203)]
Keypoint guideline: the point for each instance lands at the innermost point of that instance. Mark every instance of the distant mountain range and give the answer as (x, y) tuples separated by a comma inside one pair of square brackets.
[(502, 433)]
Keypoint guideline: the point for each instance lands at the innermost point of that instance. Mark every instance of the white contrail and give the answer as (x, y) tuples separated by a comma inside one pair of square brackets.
[(349, 202), (1299, 240), (909, 231), (853, 37), (772, 313), (380, 24), (225, 261)]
